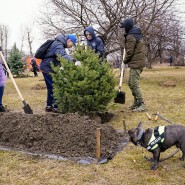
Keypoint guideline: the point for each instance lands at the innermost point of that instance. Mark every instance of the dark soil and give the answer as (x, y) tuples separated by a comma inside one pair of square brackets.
[(168, 83), (68, 135)]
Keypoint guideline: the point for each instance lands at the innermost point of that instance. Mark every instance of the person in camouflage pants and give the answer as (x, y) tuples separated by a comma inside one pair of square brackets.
[(135, 59)]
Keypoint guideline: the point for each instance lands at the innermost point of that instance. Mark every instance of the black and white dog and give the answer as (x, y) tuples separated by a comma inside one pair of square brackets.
[(159, 139)]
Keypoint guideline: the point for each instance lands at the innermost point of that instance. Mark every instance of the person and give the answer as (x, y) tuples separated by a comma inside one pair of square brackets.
[(34, 67), (94, 42), (171, 60), (2, 85), (57, 48), (135, 58), (117, 62)]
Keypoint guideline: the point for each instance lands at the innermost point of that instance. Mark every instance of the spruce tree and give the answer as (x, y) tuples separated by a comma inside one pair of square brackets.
[(87, 88), (15, 61)]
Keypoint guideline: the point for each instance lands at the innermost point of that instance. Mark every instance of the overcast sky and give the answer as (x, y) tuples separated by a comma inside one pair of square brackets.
[(15, 14)]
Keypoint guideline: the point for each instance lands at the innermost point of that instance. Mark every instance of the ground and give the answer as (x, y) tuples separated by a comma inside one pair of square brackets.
[(129, 165), (67, 135)]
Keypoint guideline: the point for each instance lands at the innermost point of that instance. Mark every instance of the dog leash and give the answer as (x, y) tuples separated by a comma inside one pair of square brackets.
[(163, 118)]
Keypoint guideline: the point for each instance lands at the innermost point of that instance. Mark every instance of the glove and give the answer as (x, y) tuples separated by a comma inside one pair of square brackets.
[(77, 63), (73, 60)]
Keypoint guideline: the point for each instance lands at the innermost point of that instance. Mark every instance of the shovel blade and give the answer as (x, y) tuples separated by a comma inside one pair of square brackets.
[(27, 109), (120, 97)]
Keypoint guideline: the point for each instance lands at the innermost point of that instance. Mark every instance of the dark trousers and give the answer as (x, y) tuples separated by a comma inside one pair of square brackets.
[(1, 94), (49, 85), (35, 71)]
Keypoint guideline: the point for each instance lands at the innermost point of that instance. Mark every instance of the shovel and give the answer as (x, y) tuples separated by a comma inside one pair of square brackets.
[(26, 107), (120, 95)]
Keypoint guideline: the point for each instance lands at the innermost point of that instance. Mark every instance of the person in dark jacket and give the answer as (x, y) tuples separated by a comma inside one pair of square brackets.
[(94, 42), (57, 48), (135, 58), (171, 60), (34, 67)]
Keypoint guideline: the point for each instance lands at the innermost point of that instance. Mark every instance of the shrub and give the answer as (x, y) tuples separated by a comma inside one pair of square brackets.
[(85, 89)]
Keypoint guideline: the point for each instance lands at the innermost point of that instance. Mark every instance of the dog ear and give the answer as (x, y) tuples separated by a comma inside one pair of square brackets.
[(140, 125), (140, 130)]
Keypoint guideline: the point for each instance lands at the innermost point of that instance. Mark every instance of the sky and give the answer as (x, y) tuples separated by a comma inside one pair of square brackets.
[(16, 14)]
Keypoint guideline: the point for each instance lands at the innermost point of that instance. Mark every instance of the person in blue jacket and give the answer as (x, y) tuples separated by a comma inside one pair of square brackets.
[(57, 48), (94, 42)]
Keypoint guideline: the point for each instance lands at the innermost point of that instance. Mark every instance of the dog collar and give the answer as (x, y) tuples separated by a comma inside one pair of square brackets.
[(139, 138)]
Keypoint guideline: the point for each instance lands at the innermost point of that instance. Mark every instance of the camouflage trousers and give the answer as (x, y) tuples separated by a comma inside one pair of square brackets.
[(134, 84)]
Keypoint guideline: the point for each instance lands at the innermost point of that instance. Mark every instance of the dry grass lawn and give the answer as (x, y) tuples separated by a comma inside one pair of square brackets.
[(164, 91)]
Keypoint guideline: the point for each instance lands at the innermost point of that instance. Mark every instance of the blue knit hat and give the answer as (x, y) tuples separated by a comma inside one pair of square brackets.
[(73, 38)]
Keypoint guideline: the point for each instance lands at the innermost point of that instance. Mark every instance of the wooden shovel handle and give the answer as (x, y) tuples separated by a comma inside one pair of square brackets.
[(10, 74), (122, 70)]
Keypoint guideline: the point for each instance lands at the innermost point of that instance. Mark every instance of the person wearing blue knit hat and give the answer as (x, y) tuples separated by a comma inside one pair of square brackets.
[(73, 38), (57, 48)]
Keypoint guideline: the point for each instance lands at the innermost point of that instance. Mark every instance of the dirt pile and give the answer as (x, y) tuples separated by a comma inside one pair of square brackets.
[(68, 135), (168, 83)]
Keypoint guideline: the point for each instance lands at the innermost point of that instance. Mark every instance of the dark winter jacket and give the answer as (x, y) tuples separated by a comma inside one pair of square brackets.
[(57, 47), (95, 43), (34, 64), (134, 45)]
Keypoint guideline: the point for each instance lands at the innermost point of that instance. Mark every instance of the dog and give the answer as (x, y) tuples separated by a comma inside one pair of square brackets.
[(171, 135)]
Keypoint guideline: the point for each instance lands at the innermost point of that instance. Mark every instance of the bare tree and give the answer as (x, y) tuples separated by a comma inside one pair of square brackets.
[(66, 16), (4, 38), (29, 39), (23, 37)]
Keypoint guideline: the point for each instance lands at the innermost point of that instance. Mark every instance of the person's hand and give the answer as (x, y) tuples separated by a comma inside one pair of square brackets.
[(78, 63), (61, 68)]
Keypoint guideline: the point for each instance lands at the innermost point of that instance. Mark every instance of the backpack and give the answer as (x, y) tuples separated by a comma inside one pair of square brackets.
[(101, 37), (43, 49)]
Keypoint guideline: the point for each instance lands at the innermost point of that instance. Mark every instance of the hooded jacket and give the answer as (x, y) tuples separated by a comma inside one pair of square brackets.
[(95, 43), (57, 47), (134, 45), (2, 75)]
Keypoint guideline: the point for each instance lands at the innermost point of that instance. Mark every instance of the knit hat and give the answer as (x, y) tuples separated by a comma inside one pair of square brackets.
[(73, 38)]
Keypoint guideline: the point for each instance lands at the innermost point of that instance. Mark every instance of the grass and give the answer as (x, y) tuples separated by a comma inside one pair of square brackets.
[(128, 166)]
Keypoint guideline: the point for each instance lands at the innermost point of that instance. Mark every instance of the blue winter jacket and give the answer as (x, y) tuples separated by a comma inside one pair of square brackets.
[(95, 43), (57, 47)]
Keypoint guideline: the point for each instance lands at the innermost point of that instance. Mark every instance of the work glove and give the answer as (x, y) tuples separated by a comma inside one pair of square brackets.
[(77, 63)]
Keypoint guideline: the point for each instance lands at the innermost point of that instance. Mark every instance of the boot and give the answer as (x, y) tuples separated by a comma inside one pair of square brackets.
[(134, 105), (2, 109), (140, 108), (48, 108), (55, 110)]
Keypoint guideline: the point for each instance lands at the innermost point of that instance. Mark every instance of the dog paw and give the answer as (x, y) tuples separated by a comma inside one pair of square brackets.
[(154, 167), (149, 159)]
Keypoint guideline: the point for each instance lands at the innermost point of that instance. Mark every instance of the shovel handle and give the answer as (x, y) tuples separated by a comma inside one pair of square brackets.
[(122, 70), (10, 74)]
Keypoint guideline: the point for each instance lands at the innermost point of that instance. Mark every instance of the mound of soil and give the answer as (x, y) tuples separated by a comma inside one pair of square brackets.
[(68, 135), (168, 83)]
